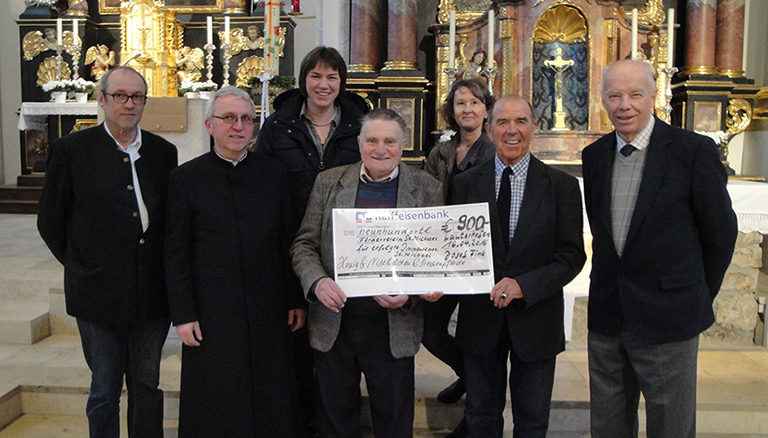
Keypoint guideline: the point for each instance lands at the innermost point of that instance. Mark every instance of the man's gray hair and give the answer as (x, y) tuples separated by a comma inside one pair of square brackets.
[(228, 91), (647, 68), (385, 114), (104, 82)]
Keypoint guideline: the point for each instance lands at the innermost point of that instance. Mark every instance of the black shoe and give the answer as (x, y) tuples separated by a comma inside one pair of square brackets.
[(461, 431), (453, 392)]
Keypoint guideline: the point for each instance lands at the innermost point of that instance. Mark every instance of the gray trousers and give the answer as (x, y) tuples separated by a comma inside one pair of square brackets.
[(665, 374)]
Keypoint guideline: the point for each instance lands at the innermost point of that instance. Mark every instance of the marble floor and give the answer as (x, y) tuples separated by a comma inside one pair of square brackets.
[(49, 379)]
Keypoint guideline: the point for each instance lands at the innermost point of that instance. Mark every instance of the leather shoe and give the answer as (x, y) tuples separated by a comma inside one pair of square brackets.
[(461, 431), (453, 392)]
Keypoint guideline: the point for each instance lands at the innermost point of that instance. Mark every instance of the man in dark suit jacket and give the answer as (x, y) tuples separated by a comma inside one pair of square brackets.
[(102, 215), (538, 247), (663, 235)]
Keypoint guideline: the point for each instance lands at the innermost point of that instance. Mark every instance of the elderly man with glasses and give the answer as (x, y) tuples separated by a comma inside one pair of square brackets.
[(102, 214), (234, 298)]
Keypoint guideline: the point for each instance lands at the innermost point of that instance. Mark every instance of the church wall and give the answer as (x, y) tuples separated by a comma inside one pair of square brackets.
[(10, 92)]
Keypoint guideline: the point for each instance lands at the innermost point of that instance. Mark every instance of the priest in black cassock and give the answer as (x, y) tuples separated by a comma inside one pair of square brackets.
[(233, 295)]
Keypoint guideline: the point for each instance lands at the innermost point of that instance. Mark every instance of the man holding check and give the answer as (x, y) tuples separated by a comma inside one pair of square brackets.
[(377, 336), (536, 229)]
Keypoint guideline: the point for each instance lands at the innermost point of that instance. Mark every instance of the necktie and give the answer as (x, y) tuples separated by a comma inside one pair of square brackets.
[(627, 150), (503, 203)]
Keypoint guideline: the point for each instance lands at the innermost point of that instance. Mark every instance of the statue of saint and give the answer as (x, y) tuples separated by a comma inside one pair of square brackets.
[(474, 67)]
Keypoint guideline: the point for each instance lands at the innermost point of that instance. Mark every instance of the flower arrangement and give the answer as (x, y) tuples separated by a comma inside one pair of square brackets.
[(195, 87), (78, 85), (62, 85)]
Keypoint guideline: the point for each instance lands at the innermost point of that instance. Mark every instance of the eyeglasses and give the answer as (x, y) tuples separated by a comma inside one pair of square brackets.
[(138, 99), (231, 119)]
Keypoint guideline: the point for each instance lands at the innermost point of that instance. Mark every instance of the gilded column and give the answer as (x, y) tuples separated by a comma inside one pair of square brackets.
[(365, 54), (701, 21), (402, 41), (730, 37)]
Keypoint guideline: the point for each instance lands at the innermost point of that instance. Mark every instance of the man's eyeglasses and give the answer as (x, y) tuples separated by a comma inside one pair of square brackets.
[(231, 119), (138, 99)]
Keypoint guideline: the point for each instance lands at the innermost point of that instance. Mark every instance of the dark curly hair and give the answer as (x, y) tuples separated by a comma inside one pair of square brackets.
[(477, 88)]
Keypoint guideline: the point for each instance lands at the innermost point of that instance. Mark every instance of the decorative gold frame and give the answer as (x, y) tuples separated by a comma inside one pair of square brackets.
[(105, 9), (707, 110)]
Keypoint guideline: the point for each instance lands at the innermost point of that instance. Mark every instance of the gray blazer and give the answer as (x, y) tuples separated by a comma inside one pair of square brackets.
[(312, 251)]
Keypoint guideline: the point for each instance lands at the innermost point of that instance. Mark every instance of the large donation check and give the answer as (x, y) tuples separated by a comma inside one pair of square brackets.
[(413, 250)]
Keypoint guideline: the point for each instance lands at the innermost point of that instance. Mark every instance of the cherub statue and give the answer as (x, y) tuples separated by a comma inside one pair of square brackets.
[(254, 40), (189, 64), (102, 59)]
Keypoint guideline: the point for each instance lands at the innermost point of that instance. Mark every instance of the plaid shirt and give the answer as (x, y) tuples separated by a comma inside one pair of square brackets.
[(517, 186)]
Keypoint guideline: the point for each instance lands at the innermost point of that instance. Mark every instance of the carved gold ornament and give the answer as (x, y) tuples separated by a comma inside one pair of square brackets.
[(34, 44), (47, 71), (652, 13), (739, 116), (562, 24), (236, 40), (250, 67)]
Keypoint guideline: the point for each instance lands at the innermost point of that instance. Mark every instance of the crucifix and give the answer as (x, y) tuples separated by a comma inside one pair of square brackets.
[(559, 65)]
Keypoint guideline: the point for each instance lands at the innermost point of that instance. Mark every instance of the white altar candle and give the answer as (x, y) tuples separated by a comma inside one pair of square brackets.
[(491, 24), (226, 30), (452, 41), (272, 33), (670, 37), (634, 33), (75, 33), (59, 32), (209, 29)]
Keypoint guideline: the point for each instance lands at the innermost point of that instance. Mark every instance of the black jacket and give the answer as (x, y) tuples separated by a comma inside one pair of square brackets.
[(285, 137), (88, 217)]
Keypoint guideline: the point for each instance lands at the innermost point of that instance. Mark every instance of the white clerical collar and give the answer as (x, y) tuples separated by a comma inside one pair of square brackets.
[(234, 162)]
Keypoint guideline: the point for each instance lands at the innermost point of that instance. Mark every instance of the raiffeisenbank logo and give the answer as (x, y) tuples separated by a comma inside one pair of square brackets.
[(369, 217)]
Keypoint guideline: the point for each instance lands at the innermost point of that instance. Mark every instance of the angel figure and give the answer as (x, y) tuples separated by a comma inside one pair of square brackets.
[(189, 63), (102, 59)]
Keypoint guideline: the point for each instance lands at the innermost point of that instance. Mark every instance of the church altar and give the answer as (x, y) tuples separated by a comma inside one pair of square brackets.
[(33, 114)]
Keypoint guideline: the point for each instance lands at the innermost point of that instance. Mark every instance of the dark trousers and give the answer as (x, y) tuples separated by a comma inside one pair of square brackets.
[(363, 347), (530, 385), (666, 375), (436, 338), (133, 350)]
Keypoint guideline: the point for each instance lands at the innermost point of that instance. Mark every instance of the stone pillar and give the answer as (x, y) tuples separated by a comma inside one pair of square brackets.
[(730, 38), (365, 54), (402, 40), (701, 19)]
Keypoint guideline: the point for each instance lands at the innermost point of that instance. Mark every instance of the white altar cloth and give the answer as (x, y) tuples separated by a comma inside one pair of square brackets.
[(33, 114)]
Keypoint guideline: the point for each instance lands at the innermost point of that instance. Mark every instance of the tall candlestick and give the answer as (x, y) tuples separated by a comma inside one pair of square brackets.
[(452, 41), (634, 33), (670, 37), (59, 32), (75, 33), (209, 29), (491, 23), (226, 30)]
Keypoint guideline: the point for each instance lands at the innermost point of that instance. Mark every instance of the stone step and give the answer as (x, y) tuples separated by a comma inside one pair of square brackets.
[(23, 322), (61, 322), (432, 419), (10, 404), (19, 193), (33, 180), (18, 207)]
